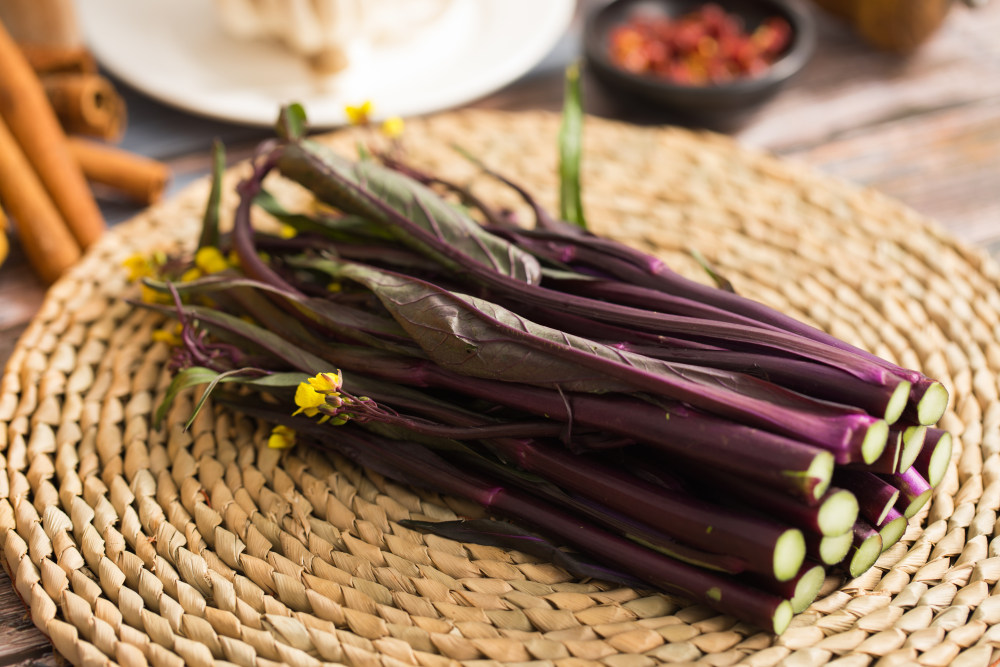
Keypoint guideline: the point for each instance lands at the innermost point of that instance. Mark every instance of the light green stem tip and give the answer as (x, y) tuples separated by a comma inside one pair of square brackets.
[(932, 404), (897, 402), (837, 513), (866, 555), (807, 588), (876, 438), (789, 553), (834, 549), (782, 617), (940, 460)]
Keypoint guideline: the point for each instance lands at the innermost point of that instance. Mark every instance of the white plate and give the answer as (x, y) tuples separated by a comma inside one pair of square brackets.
[(176, 52)]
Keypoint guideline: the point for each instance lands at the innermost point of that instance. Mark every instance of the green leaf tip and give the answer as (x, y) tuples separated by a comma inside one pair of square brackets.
[(292, 123), (571, 150), (210, 221), (720, 281)]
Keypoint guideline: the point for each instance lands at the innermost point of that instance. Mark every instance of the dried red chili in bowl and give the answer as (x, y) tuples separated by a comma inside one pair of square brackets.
[(707, 45), (704, 57)]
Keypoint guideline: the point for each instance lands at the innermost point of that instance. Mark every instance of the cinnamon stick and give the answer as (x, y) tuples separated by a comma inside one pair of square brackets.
[(86, 104), (45, 59), (4, 244), (31, 120), (42, 22), (48, 243), (140, 178)]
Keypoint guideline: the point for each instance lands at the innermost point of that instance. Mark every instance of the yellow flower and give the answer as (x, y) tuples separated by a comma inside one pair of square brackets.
[(150, 295), (393, 127), (137, 266), (141, 266), (169, 336), (359, 115), (326, 383), (281, 437), (210, 260), (287, 232), (308, 399), (191, 274)]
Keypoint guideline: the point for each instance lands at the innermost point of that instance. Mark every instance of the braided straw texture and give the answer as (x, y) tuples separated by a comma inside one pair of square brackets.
[(170, 547)]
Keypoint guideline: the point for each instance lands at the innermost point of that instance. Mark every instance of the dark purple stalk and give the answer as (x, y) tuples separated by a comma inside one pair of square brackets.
[(243, 235), (621, 524), (642, 269), (767, 547), (444, 322), (800, 591), (806, 377), (672, 427), (833, 514), (637, 296), (376, 252), (409, 463), (801, 469), (876, 496), (935, 456), (304, 165)]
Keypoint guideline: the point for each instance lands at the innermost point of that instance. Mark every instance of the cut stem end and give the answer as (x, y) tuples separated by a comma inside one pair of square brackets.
[(865, 555), (834, 549), (789, 554), (932, 404), (807, 589), (876, 439), (897, 402), (837, 513)]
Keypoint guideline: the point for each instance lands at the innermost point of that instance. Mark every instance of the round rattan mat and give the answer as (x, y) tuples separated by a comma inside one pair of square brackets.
[(171, 547)]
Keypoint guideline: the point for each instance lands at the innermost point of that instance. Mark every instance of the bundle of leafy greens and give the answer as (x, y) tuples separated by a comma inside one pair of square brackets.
[(632, 424)]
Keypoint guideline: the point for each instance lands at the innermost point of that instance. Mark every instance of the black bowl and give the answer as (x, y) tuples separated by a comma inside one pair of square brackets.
[(713, 100)]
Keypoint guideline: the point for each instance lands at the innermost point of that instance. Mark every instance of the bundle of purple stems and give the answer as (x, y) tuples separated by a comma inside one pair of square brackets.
[(630, 423)]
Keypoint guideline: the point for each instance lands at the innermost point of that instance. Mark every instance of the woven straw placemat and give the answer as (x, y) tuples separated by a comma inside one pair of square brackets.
[(171, 547)]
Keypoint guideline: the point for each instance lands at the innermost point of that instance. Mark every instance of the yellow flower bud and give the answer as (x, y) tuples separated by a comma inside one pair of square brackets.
[(393, 127), (281, 437), (210, 260), (308, 399), (359, 115), (326, 383)]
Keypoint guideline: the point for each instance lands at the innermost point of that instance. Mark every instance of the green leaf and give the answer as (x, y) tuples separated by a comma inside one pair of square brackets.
[(219, 377), (198, 375), (210, 221), (720, 281), (413, 213), (344, 228), (271, 342), (189, 377), (477, 338), (292, 123), (571, 150)]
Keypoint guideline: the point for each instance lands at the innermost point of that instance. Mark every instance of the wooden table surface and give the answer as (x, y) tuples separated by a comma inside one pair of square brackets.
[(924, 129)]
